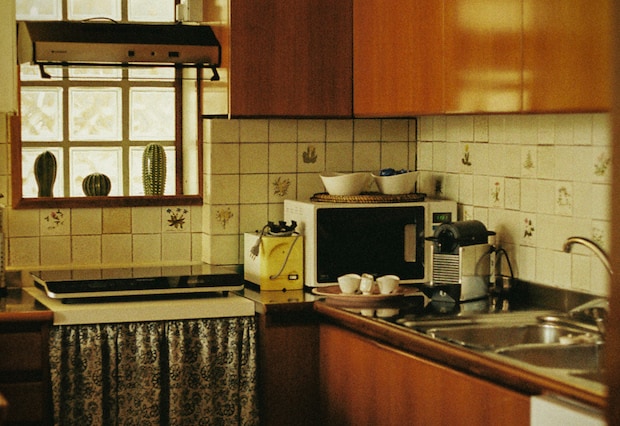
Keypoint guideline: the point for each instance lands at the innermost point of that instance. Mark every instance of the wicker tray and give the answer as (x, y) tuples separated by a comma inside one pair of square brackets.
[(367, 197)]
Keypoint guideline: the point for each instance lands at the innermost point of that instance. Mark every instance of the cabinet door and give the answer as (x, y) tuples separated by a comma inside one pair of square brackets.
[(363, 382), (291, 58), (483, 56), (398, 57), (566, 48)]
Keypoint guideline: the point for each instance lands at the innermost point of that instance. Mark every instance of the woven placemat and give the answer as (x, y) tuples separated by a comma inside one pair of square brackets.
[(367, 197)]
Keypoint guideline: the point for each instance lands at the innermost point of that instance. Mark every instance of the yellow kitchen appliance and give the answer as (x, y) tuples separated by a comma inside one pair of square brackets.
[(274, 257)]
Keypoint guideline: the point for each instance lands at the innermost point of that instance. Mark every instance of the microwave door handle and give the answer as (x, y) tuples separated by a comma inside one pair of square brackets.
[(411, 241)]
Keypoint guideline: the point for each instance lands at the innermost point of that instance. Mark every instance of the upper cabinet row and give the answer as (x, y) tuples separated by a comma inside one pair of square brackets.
[(334, 58)]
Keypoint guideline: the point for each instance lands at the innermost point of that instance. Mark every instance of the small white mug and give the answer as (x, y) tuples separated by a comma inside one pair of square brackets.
[(367, 283), (349, 283), (388, 284)]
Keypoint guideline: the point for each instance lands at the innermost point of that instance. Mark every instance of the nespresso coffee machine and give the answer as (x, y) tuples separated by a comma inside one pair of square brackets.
[(461, 261)]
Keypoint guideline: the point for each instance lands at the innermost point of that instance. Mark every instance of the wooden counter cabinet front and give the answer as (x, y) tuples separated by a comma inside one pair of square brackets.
[(24, 372), (365, 382)]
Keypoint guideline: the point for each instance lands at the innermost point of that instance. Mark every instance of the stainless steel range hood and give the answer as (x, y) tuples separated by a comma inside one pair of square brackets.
[(108, 43)]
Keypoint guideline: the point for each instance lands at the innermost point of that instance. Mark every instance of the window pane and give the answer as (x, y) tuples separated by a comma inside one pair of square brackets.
[(95, 73), (85, 161), (95, 114), (86, 9), (151, 74), (33, 73), (152, 114), (30, 188), (30, 10), (135, 171), (151, 10), (41, 109)]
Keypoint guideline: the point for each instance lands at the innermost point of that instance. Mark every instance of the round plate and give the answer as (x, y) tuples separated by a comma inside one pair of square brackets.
[(333, 291)]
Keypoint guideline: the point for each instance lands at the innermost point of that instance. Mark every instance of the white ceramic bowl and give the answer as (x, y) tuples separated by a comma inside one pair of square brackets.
[(403, 183), (345, 183)]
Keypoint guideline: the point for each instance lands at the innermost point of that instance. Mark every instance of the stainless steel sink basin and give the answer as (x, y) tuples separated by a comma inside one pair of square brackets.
[(584, 357), (490, 337)]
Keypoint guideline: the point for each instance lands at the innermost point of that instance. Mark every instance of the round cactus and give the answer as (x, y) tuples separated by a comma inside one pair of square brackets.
[(45, 173), (96, 184), (154, 169)]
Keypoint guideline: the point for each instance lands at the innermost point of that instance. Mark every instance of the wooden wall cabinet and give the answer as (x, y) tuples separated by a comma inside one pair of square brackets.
[(24, 372), (398, 58), (483, 58), (291, 58), (363, 382), (566, 55)]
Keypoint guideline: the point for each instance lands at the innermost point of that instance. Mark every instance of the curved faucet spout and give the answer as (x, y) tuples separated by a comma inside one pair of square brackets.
[(595, 248)]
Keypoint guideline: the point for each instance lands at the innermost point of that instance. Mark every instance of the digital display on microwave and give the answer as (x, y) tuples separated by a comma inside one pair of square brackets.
[(375, 240)]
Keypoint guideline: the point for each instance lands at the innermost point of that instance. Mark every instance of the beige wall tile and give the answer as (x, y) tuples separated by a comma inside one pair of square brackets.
[(56, 250), (116, 249), (24, 251), (86, 249), (176, 247), (116, 220), (146, 220), (86, 221), (146, 248)]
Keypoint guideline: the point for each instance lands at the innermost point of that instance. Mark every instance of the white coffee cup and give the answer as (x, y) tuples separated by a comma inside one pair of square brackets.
[(388, 284), (367, 283), (349, 283)]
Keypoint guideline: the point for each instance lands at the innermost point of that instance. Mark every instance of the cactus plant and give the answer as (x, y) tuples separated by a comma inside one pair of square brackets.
[(154, 169), (96, 184), (45, 173)]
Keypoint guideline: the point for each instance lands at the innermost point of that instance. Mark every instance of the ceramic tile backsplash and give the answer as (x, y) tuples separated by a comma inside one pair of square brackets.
[(535, 179), (547, 177)]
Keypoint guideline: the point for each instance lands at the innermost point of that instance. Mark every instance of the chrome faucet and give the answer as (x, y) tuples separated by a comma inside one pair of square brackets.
[(598, 251), (596, 310)]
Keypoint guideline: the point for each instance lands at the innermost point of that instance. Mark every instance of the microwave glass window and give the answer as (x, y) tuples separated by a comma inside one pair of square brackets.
[(376, 240)]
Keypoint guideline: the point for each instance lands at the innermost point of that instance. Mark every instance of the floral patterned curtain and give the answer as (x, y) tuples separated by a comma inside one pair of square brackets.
[(190, 372)]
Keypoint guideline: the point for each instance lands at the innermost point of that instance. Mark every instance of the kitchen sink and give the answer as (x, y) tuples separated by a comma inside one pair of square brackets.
[(584, 357), (490, 337)]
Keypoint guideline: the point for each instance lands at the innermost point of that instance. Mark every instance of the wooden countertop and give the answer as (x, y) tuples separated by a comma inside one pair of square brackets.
[(494, 368), (19, 306)]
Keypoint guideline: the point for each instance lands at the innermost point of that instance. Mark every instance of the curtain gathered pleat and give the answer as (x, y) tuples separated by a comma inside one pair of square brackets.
[(189, 372)]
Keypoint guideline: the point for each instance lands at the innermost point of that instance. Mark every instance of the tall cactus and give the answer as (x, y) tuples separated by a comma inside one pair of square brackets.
[(45, 173), (154, 169)]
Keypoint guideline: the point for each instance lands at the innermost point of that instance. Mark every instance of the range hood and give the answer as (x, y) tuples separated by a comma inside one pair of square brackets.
[(109, 43)]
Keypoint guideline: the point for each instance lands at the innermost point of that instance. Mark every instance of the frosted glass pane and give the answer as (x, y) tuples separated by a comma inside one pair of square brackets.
[(95, 114), (31, 10), (41, 110), (30, 188), (85, 161), (152, 114), (151, 10), (135, 171), (33, 73), (86, 9), (95, 73), (151, 74)]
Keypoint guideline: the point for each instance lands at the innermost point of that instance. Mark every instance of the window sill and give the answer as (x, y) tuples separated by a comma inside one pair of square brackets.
[(93, 202)]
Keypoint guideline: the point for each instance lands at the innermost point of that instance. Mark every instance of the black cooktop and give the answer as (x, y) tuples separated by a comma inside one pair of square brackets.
[(90, 284)]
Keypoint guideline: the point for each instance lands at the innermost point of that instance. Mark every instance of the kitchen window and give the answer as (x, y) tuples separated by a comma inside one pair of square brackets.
[(99, 119)]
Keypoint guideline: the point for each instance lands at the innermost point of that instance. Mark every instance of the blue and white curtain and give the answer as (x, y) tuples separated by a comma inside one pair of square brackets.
[(189, 372)]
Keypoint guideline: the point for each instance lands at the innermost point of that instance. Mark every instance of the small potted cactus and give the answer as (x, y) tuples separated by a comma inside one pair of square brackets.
[(96, 184), (45, 173), (154, 169)]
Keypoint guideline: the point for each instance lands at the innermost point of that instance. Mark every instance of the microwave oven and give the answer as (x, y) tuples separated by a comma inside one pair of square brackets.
[(377, 238)]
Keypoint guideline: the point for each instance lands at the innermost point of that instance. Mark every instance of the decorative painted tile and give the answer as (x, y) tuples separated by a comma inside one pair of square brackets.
[(564, 198), (177, 219), (281, 186), (465, 159), (602, 164), (223, 216), (496, 192), (528, 161), (528, 236), (55, 222)]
